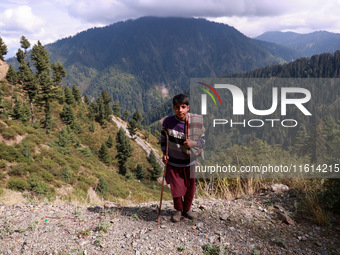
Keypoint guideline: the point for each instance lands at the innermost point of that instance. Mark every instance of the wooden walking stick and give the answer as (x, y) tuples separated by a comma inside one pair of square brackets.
[(165, 164)]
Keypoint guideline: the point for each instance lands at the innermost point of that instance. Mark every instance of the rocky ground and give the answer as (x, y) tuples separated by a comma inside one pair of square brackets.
[(263, 224)]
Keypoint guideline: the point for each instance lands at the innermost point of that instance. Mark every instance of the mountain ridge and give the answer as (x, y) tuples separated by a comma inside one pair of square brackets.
[(131, 59), (306, 44)]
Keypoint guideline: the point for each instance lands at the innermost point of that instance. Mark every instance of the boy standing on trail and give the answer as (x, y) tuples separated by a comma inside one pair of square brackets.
[(185, 132)]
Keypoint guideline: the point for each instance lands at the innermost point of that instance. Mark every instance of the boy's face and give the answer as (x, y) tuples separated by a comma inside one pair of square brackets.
[(181, 110)]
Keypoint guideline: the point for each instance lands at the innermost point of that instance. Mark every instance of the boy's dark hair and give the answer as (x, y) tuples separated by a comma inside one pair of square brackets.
[(180, 99)]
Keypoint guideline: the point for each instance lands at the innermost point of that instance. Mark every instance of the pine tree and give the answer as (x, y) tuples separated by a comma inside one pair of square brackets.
[(126, 115), (40, 58), (132, 127), (69, 98), (106, 98), (140, 172), (104, 154), (3, 49), (65, 138), (137, 116), (41, 61), (67, 115), (47, 93), (109, 142), (58, 72), (100, 114), (30, 85), (21, 56), (25, 113), (156, 170), (76, 94), (123, 170), (108, 112), (116, 109), (25, 44), (124, 149), (87, 100), (17, 110), (69, 118), (12, 76)]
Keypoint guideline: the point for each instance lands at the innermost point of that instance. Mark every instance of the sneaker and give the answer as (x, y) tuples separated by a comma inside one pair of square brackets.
[(189, 214), (176, 217)]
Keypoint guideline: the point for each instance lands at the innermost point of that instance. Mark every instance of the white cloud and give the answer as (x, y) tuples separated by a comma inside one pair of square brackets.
[(21, 19), (51, 20), (109, 11), (306, 17)]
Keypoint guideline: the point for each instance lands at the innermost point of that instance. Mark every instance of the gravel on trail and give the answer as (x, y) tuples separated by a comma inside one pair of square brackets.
[(262, 224)]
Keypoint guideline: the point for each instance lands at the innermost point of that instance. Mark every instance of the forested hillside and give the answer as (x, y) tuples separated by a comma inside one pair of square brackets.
[(318, 66), (306, 44), (138, 62), (54, 142), (326, 65)]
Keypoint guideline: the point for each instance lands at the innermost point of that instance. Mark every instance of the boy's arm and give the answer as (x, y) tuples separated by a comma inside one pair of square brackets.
[(163, 143), (163, 138)]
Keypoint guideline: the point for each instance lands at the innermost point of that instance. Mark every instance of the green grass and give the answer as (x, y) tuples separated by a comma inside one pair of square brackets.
[(38, 163)]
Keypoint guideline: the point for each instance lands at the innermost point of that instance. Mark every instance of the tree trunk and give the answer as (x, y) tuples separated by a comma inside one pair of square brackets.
[(32, 112)]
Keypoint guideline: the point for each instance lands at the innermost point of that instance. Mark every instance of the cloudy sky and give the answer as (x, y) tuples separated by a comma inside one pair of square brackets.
[(50, 20)]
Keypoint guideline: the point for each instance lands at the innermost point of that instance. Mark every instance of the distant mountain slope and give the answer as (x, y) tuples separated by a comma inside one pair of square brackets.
[(318, 66), (324, 65), (306, 44), (135, 60)]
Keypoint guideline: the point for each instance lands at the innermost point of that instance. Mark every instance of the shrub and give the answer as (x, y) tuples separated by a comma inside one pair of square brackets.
[(9, 153), (129, 175), (156, 170), (82, 186), (103, 186), (48, 164), (2, 164), (8, 133), (16, 183), (18, 130), (47, 176), (140, 172), (85, 151), (37, 185), (66, 174), (104, 154), (92, 127), (35, 168), (2, 175), (18, 170), (26, 150)]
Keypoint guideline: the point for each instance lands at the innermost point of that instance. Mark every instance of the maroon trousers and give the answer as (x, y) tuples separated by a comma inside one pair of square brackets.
[(182, 183)]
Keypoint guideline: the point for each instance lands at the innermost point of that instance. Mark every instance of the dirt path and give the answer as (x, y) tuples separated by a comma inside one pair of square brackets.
[(139, 141), (244, 226)]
